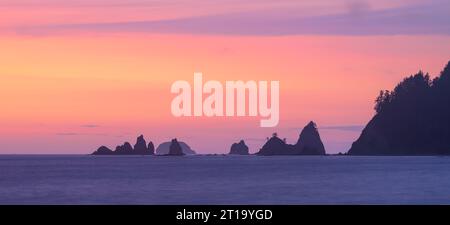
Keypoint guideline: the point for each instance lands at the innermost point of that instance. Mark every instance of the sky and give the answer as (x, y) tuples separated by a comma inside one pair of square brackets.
[(77, 74)]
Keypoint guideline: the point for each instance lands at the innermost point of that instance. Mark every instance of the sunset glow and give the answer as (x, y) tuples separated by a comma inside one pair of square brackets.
[(93, 73)]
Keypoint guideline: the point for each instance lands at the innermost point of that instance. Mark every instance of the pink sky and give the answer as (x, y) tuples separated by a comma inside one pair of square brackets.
[(79, 74)]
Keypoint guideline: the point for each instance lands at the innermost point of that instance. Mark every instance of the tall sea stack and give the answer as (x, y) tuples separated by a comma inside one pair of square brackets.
[(309, 142), (175, 148), (140, 148), (151, 148)]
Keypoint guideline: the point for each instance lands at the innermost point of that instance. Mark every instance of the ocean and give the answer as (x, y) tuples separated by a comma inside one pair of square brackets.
[(85, 179)]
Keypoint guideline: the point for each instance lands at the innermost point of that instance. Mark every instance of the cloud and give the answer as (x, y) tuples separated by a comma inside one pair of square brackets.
[(78, 134), (90, 125), (358, 7), (358, 19), (67, 134), (87, 3)]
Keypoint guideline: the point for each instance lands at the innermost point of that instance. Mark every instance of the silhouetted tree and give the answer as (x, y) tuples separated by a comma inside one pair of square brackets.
[(413, 118)]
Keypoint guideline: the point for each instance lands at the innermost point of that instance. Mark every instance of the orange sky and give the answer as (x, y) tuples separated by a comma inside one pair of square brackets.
[(53, 86), (69, 92)]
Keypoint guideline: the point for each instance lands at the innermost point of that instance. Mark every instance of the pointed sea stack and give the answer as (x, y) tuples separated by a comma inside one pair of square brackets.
[(140, 148), (239, 148), (151, 148), (309, 142), (175, 148)]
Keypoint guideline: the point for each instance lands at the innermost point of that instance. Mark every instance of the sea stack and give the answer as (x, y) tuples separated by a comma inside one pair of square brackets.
[(164, 148), (239, 148), (140, 148), (124, 149), (309, 142), (175, 148), (275, 146), (151, 148), (141, 145), (103, 150)]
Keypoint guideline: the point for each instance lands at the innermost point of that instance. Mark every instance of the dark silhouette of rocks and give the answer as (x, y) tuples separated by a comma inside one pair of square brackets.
[(175, 148), (275, 146), (309, 143), (141, 145), (124, 149), (140, 148), (163, 148), (103, 150), (412, 119), (151, 148), (239, 148)]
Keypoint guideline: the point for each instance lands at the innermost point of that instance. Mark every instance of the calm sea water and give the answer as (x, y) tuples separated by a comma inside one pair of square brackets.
[(223, 180)]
